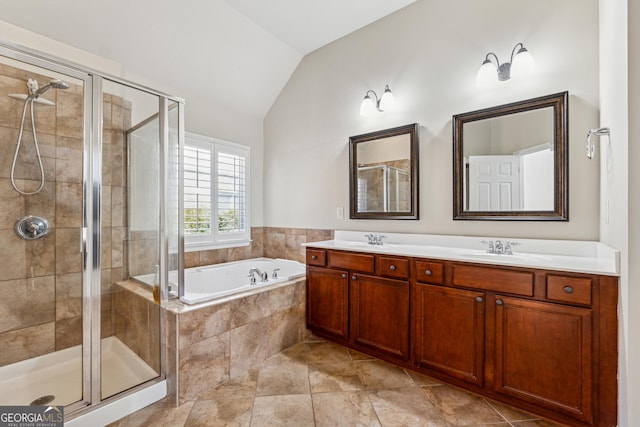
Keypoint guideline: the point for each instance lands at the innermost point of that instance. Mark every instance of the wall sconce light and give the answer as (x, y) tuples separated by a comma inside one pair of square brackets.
[(369, 106), (521, 64)]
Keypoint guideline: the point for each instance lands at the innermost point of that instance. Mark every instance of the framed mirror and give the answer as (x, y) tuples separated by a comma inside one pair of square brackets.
[(383, 174), (511, 162)]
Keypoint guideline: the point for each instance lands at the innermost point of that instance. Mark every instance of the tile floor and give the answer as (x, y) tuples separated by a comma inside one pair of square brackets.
[(317, 383)]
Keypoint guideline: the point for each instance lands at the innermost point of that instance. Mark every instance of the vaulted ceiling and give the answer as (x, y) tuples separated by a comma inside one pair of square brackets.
[(239, 52)]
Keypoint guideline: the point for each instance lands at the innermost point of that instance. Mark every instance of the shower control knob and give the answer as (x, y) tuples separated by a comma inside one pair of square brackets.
[(32, 227)]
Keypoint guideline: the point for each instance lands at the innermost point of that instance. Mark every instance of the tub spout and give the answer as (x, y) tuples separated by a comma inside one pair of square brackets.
[(264, 276)]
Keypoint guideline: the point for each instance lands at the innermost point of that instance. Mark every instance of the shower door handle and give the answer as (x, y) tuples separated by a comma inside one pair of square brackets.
[(83, 240)]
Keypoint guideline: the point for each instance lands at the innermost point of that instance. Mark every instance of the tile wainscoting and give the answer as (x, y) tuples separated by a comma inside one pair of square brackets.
[(270, 242)]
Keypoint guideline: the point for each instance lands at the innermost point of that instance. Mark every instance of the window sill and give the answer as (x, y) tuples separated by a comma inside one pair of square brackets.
[(194, 247)]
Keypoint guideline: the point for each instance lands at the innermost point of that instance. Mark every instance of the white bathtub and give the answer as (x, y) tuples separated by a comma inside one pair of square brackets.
[(219, 280)]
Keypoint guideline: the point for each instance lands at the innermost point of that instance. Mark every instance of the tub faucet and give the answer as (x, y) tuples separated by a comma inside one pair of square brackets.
[(264, 276)]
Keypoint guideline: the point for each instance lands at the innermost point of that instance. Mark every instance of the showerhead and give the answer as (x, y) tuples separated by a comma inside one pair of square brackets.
[(56, 84)]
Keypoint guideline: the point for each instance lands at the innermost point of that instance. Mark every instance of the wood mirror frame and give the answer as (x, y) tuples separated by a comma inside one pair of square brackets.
[(410, 199), (560, 212)]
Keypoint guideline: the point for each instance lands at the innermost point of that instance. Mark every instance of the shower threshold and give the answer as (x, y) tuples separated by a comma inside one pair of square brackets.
[(59, 374)]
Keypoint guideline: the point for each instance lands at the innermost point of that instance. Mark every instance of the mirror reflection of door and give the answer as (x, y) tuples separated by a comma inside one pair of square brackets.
[(494, 183), (510, 163)]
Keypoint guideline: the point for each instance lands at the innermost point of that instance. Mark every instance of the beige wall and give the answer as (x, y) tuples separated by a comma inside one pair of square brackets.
[(429, 54)]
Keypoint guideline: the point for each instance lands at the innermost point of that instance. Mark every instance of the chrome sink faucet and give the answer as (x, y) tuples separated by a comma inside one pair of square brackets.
[(374, 239), (499, 248)]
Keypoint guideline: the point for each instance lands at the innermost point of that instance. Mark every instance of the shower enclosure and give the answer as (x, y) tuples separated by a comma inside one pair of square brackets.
[(75, 223)]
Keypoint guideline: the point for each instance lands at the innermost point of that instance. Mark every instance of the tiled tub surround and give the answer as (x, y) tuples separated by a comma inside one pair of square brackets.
[(41, 280), (216, 341), (136, 321), (268, 242)]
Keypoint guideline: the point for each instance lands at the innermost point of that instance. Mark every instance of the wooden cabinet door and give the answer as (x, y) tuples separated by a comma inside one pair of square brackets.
[(450, 331), (380, 314), (544, 355), (328, 301)]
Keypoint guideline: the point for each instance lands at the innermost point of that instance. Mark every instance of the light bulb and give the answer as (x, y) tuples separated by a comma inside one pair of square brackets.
[(487, 74), (368, 106), (387, 101), (523, 64)]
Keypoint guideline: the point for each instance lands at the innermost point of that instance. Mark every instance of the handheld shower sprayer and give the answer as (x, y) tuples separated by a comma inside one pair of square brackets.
[(34, 92)]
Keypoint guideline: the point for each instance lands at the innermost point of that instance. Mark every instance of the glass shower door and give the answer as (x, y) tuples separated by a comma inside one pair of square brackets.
[(130, 244), (43, 125)]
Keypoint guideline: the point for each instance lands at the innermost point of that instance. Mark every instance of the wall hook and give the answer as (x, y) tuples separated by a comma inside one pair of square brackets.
[(591, 145)]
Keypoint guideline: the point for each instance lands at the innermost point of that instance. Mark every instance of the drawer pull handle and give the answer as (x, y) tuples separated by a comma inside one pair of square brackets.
[(479, 299), (392, 267), (344, 275), (499, 302), (428, 272), (568, 289), (354, 278), (314, 257)]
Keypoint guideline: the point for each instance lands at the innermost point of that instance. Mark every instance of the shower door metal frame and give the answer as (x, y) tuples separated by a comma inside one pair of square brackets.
[(89, 241)]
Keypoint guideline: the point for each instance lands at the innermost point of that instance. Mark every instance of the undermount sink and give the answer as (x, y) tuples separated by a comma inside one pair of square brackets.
[(506, 257)]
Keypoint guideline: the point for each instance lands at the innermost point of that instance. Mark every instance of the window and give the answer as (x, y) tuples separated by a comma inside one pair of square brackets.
[(216, 193)]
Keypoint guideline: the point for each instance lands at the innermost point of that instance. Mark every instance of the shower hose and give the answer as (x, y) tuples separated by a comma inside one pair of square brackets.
[(27, 102)]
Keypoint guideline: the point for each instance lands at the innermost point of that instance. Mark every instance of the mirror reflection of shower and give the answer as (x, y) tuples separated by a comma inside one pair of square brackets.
[(33, 96)]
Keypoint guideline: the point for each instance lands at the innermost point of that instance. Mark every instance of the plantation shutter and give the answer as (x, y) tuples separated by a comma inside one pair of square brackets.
[(197, 190), (216, 193)]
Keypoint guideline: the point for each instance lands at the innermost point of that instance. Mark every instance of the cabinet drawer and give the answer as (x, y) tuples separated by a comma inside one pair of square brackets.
[(569, 289), (349, 261), (316, 257), (494, 279), (430, 272), (393, 267)]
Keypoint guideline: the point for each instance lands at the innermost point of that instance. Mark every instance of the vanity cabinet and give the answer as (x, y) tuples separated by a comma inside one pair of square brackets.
[(450, 331), (328, 301), (380, 314), (543, 354), (361, 300), (544, 341)]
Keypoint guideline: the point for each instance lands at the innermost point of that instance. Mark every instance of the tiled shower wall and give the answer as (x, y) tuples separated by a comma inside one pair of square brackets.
[(41, 280), (270, 242)]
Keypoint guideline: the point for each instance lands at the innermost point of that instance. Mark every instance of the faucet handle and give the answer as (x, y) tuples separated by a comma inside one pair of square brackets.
[(275, 273), (489, 244), (508, 246)]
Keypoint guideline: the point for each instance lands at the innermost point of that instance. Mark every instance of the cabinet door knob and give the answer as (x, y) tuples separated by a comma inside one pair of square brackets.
[(428, 272), (354, 278), (314, 257), (392, 267), (499, 302), (568, 289), (344, 275), (479, 299)]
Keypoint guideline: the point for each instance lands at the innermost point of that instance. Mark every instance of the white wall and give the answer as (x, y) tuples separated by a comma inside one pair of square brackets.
[(429, 54), (620, 202)]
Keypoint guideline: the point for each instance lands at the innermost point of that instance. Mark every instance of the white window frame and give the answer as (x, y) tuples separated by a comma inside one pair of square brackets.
[(218, 240)]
